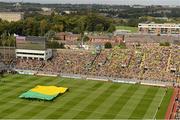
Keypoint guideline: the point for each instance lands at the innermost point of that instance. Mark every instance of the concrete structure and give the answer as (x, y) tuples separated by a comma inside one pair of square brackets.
[(152, 28), (11, 16), (34, 54), (32, 47)]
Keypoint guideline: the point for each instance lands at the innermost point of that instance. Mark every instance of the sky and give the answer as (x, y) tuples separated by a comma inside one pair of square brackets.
[(117, 2)]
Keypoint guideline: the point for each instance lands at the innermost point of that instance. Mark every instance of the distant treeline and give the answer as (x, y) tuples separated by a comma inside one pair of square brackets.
[(39, 25), (118, 11)]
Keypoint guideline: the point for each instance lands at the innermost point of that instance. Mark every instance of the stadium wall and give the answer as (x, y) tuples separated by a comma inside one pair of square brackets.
[(98, 78)]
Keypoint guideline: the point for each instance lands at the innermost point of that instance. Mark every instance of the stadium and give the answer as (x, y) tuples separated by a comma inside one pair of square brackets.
[(139, 82)]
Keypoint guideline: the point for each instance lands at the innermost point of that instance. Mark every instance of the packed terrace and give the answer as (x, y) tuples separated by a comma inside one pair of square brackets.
[(145, 63)]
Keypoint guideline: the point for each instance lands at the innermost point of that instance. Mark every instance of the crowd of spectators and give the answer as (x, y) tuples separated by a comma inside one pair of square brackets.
[(29, 64), (175, 61), (156, 61), (131, 38), (146, 62)]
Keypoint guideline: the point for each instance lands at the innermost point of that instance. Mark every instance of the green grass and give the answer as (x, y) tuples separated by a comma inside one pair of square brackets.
[(131, 29), (162, 110), (85, 99)]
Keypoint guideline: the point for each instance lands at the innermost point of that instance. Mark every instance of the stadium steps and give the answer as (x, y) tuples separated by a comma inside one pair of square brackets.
[(110, 58), (128, 63), (141, 65), (178, 78), (94, 60), (143, 59), (41, 66), (169, 60), (90, 66), (106, 60)]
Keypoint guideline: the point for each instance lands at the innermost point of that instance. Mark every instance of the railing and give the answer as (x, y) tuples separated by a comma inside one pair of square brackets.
[(100, 78)]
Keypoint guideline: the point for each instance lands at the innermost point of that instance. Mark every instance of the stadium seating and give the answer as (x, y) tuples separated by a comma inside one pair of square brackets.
[(149, 62)]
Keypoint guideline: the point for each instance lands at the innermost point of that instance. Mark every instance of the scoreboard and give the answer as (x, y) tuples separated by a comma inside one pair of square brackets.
[(31, 43)]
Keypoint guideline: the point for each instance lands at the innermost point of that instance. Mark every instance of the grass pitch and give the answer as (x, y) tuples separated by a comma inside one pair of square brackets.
[(131, 29), (85, 99)]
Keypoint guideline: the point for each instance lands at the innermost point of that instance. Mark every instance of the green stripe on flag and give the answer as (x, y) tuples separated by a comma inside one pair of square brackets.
[(36, 95)]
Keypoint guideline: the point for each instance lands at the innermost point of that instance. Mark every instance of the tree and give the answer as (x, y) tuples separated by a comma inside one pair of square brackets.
[(61, 45), (28, 25), (112, 28), (86, 38), (50, 34), (43, 26), (57, 27), (9, 44), (99, 27), (55, 44), (3, 38), (36, 24), (122, 46), (95, 22), (108, 45), (133, 22)]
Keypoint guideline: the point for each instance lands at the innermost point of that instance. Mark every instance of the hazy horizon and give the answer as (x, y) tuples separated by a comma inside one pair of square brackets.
[(111, 2)]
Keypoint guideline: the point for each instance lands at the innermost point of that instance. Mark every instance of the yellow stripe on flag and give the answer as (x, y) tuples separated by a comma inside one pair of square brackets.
[(49, 90)]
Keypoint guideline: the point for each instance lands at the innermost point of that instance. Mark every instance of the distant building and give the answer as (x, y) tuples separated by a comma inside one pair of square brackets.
[(32, 47), (94, 39), (11, 16), (61, 36), (72, 37), (102, 39), (152, 28), (69, 12), (68, 36), (138, 6), (45, 9)]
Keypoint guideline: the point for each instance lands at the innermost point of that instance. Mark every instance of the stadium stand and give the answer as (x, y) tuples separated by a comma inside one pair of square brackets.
[(149, 62), (131, 38)]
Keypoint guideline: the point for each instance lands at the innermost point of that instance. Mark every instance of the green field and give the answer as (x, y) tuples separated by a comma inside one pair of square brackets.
[(85, 99), (131, 29)]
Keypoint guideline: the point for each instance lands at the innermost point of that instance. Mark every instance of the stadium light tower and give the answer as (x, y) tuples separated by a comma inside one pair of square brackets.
[(18, 5)]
